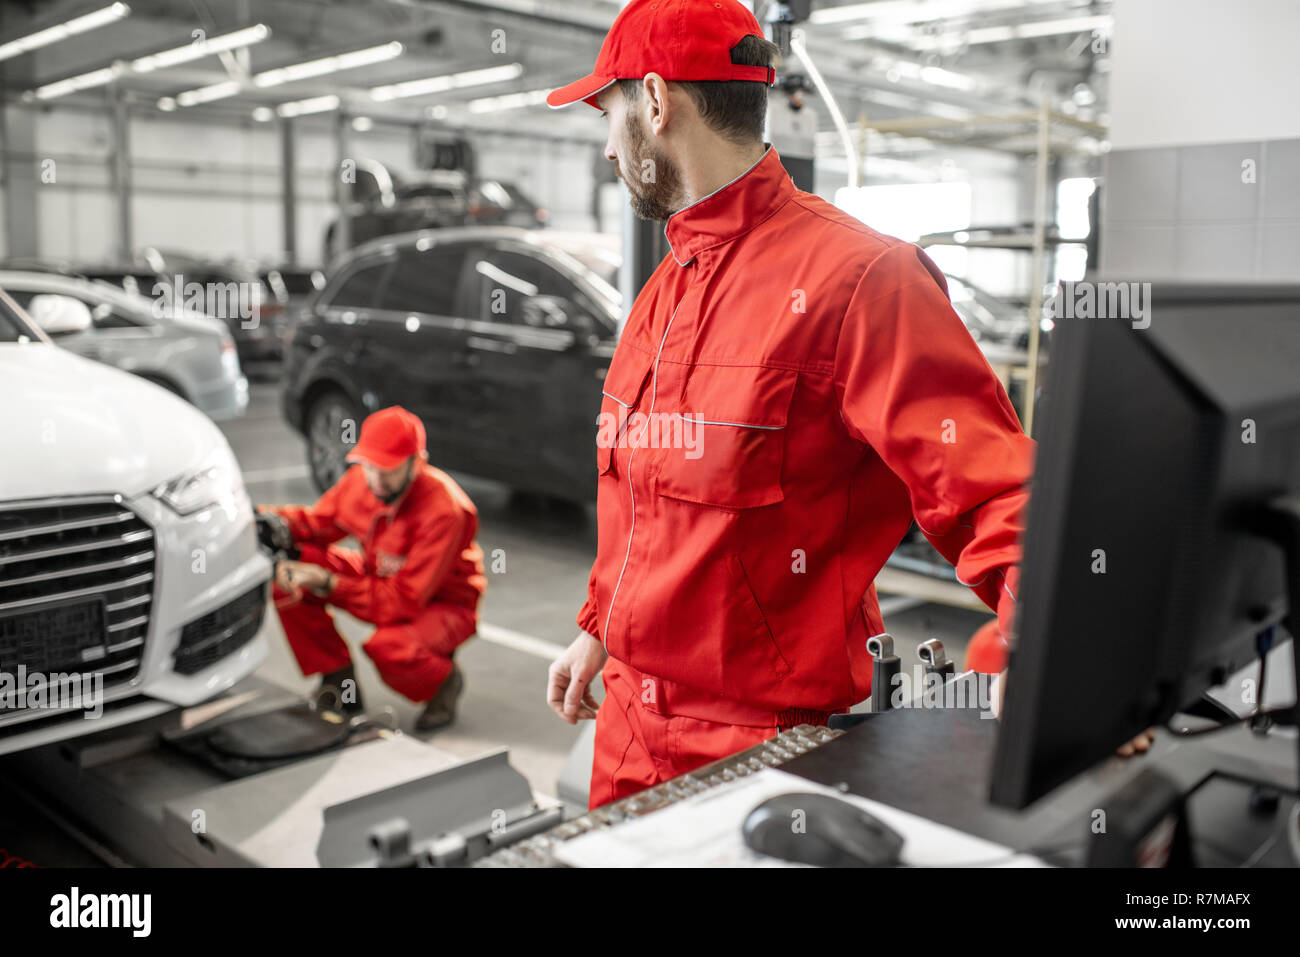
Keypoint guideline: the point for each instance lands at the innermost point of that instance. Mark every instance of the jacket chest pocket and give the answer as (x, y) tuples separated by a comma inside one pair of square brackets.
[(390, 540), (733, 422), (625, 382)]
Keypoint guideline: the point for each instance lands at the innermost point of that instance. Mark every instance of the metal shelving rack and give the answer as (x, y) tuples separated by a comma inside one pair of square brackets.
[(1041, 133)]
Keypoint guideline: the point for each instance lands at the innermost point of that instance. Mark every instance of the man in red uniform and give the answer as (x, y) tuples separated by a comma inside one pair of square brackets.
[(418, 576), (828, 394)]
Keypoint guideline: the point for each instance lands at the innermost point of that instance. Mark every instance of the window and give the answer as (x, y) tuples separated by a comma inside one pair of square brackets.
[(360, 289), (425, 280), (911, 210), (1072, 200), (11, 330), (507, 281)]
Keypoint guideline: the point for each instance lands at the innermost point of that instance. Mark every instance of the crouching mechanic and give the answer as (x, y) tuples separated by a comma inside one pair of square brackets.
[(418, 576)]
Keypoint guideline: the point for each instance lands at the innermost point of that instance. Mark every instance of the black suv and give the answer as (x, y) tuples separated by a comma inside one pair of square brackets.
[(497, 337)]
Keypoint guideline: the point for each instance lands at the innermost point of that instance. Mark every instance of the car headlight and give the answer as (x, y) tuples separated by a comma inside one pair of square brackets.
[(229, 357), (216, 482)]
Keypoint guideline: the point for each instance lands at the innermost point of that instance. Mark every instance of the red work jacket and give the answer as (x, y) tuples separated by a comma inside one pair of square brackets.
[(418, 550), (833, 395)]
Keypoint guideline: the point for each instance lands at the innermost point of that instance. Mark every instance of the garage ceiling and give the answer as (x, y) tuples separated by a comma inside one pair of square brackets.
[(883, 59)]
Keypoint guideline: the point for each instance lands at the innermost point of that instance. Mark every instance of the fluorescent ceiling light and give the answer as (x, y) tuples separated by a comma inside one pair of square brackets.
[(317, 104), (72, 84), (263, 114), (297, 71), (199, 49), (936, 76), (1020, 31), (206, 94), (909, 11), (62, 31), (329, 64), (451, 81), (507, 101)]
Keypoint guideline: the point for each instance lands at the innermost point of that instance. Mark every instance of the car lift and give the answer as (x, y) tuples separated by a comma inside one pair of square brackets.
[(182, 789)]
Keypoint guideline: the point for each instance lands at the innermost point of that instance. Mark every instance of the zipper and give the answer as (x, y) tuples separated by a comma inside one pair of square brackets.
[(654, 392)]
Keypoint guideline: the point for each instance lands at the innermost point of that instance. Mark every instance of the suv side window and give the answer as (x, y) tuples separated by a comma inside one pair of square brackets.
[(361, 288), (23, 297), (503, 280), (425, 281)]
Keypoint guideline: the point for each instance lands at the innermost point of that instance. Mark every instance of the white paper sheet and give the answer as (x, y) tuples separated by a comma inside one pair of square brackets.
[(704, 831)]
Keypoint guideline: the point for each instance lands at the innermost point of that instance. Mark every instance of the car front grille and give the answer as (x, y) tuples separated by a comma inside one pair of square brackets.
[(208, 639), (76, 588)]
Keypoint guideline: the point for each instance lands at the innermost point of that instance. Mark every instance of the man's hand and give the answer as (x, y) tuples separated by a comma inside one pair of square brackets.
[(296, 576), (1139, 745), (568, 691)]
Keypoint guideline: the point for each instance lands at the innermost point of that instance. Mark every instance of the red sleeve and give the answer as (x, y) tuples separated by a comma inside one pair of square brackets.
[(314, 525), (914, 386), (587, 614), (436, 544)]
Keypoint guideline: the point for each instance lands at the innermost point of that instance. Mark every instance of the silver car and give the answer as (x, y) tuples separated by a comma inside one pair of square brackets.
[(185, 352)]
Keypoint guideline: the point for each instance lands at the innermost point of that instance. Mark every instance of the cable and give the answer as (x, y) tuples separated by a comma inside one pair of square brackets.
[(1259, 718), (797, 47)]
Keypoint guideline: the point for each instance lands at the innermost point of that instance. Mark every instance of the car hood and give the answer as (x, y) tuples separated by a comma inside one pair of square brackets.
[(195, 323), (72, 426)]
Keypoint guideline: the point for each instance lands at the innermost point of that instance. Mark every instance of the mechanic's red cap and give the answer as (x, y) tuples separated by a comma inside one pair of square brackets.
[(388, 438), (678, 39)]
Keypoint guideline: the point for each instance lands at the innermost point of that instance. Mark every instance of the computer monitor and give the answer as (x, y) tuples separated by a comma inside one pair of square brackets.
[(1168, 444)]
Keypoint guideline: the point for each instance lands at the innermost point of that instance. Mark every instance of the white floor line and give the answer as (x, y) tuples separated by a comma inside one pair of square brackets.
[(256, 476), (538, 647), (896, 604)]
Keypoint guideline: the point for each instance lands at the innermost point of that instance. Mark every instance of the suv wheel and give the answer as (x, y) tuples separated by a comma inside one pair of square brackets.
[(330, 414)]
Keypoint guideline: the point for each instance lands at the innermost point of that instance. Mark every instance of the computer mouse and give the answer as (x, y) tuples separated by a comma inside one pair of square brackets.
[(821, 830)]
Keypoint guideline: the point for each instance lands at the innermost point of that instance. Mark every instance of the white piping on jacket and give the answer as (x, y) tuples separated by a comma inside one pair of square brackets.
[(654, 392)]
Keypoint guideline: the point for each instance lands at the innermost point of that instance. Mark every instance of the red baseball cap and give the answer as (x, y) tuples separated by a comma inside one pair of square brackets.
[(678, 39), (388, 438)]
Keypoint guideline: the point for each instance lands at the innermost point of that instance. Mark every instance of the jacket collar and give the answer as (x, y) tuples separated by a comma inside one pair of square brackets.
[(730, 211)]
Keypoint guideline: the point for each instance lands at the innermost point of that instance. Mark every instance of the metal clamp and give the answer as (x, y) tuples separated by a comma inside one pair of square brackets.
[(936, 662), (884, 666)]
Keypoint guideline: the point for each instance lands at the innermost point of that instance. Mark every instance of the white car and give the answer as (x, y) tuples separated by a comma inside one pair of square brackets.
[(130, 576)]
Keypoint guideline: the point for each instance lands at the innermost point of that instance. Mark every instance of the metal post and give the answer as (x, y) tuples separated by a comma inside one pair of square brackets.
[(122, 172), (1036, 276), (342, 188), (24, 173), (288, 191), (646, 247)]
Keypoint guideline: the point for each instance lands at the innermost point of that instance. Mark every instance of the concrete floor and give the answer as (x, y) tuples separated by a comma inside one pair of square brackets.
[(527, 612)]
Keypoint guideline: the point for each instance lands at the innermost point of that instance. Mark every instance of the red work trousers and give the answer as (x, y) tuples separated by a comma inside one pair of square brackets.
[(637, 748), (413, 657)]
